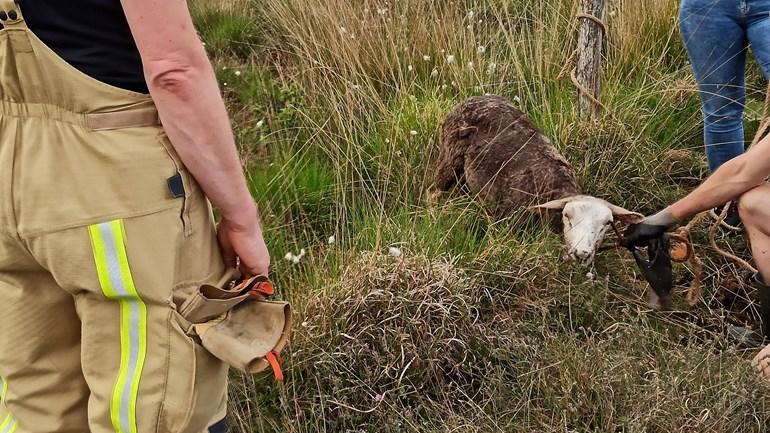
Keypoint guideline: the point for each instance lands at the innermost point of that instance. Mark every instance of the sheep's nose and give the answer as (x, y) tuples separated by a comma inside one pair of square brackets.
[(583, 254)]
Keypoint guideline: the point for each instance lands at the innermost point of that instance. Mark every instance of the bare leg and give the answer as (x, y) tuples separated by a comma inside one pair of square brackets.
[(754, 207)]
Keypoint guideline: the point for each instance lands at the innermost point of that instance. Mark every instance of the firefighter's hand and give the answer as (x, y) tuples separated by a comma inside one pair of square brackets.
[(242, 241)]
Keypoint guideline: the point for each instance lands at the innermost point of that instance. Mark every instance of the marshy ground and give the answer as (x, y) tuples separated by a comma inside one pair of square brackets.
[(478, 325)]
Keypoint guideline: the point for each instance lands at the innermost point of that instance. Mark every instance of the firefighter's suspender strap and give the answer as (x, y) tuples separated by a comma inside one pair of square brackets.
[(123, 119), (10, 15)]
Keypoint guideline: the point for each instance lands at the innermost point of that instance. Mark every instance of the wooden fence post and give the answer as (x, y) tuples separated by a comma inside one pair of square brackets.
[(589, 62)]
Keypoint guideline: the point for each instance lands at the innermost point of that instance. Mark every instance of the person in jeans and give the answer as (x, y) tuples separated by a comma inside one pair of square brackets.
[(717, 35)]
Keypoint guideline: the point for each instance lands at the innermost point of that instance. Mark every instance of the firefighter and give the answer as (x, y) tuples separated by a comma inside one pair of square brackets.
[(106, 223)]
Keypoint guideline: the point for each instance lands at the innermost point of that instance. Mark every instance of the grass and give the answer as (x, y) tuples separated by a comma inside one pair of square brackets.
[(479, 326)]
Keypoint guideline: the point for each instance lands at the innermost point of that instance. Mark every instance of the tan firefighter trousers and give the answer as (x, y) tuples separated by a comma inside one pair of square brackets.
[(103, 234)]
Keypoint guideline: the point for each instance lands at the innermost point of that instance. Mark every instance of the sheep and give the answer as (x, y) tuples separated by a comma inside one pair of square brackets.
[(491, 147)]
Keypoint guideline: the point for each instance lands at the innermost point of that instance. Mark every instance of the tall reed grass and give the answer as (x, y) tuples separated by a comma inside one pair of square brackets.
[(479, 325)]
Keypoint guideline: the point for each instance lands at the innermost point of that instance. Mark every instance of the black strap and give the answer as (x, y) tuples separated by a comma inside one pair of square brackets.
[(220, 427)]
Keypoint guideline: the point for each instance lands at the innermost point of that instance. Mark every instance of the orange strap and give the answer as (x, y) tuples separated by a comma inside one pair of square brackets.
[(264, 288), (258, 286), (272, 359)]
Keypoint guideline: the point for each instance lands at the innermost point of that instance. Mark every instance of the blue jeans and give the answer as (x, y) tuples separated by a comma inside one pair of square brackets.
[(717, 34)]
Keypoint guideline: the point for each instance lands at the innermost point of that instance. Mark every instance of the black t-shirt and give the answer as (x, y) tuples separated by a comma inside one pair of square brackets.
[(91, 35)]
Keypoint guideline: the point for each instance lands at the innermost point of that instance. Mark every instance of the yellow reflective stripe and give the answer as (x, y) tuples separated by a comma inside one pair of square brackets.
[(140, 329), (9, 424), (109, 248), (3, 390)]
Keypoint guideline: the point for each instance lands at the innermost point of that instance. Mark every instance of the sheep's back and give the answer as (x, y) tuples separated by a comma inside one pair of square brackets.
[(508, 162)]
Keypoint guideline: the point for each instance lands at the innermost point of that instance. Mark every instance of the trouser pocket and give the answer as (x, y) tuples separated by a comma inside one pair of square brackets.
[(196, 384)]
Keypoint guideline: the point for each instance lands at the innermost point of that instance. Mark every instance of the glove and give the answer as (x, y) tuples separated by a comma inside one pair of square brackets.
[(653, 227), (656, 268)]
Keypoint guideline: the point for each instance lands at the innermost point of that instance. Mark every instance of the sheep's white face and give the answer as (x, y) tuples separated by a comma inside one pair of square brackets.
[(586, 220), (585, 224)]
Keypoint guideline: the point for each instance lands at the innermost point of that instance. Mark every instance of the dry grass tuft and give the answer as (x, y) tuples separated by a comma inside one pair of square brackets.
[(417, 345)]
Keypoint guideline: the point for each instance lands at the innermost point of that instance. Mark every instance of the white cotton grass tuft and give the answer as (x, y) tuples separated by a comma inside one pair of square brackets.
[(394, 252), (332, 240), (343, 30), (450, 59), (517, 99), (237, 73), (470, 65), (410, 68), (434, 73), (590, 275), (481, 49), (426, 58), (471, 14), (260, 124), (413, 133), (291, 257)]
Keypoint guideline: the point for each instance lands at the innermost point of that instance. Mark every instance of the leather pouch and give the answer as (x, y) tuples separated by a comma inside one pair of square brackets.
[(239, 325)]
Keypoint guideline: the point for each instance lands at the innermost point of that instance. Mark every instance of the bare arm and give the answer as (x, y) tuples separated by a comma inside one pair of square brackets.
[(185, 90), (727, 183)]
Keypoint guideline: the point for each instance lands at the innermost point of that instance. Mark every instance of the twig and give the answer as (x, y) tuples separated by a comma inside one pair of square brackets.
[(713, 241)]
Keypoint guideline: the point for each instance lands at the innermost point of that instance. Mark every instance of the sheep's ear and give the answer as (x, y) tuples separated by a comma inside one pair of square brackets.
[(626, 216), (554, 204)]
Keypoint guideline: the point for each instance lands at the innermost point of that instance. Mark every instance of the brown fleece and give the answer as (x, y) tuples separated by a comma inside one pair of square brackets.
[(491, 147)]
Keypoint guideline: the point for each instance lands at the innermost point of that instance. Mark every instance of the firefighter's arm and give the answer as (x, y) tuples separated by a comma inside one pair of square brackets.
[(183, 85)]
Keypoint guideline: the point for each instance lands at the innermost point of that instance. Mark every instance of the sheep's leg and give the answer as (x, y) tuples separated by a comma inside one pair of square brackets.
[(450, 173)]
